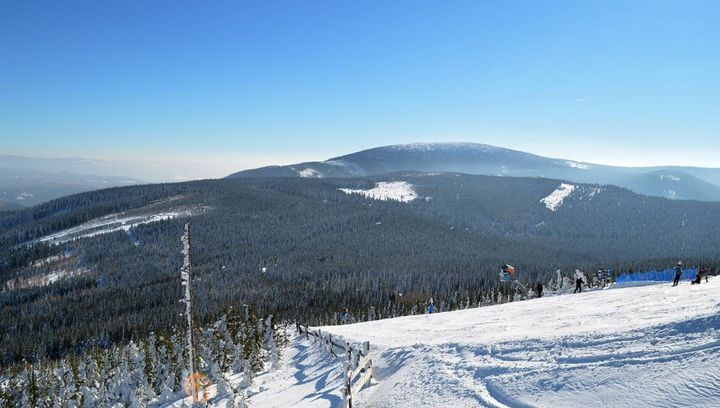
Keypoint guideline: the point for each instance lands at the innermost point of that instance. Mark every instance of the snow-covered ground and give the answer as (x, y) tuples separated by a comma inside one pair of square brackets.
[(556, 198), (387, 190), (644, 346), (308, 173), (576, 165), (113, 222), (306, 377)]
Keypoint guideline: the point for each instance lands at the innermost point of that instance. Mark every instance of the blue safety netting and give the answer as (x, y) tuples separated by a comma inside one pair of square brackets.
[(658, 276)]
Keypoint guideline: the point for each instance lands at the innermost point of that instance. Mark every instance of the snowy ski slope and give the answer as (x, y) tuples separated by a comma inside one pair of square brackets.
[(641, 346), (645, 346)]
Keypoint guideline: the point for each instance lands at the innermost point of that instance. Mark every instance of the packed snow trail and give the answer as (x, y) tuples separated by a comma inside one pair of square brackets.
[(648, 346), (306, 377)]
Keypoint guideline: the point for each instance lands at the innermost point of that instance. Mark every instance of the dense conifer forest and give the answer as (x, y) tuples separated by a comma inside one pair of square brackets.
[(301, 250)]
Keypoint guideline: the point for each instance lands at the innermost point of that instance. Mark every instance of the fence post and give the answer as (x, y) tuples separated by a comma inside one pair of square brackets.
[(353, 357), (366, 352), (348, 374), (348, 386)]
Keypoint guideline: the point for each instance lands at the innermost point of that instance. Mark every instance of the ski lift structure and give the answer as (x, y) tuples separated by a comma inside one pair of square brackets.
[(509, 275)]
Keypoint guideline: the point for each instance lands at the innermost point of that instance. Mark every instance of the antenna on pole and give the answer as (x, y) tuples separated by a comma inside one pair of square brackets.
[(186, 276)]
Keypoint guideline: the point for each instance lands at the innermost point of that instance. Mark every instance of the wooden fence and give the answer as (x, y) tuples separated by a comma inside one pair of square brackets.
[(358, 364)]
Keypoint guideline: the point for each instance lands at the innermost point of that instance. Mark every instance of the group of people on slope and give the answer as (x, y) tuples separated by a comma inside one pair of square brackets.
[(702, 271), (345, 314), (578, 286)]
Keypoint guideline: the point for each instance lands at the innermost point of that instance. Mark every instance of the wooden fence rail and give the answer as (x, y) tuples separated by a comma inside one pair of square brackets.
[(358, 365)]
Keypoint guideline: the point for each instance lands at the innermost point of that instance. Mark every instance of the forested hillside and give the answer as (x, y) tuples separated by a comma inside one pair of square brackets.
[(302, 249)]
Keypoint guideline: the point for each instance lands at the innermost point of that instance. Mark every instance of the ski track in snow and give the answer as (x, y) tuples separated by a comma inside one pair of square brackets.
[(645, 346), (556, 198)]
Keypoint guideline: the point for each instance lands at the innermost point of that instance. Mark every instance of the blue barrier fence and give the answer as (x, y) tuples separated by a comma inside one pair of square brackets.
[(658, 276)]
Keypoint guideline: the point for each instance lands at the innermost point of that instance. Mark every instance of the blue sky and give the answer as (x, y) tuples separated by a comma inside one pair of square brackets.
[(241, 84)]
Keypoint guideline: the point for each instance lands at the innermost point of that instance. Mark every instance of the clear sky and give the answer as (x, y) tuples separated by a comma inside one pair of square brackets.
[(239, 84)]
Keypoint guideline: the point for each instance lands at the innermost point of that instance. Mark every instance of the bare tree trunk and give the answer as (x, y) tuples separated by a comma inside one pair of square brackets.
[(186, 275)]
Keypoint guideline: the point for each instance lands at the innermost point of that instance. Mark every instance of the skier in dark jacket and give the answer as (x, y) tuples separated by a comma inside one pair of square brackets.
[(539, 289), (678, 273), (578, 285)]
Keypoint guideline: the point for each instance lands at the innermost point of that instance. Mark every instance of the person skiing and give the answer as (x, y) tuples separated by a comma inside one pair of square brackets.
[(539, 289), (678, 273), (578, 285), (431, 307), (344, 316)]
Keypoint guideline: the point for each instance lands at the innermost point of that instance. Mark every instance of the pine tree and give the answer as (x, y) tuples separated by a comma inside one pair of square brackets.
[(165, 377), (142, 390), (151, 360), (270, 343)]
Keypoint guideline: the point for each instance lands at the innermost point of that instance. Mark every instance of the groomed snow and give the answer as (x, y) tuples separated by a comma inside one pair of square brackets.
[(640, 346), (111, 223), (387, 190), (556, 198), (647, 346)]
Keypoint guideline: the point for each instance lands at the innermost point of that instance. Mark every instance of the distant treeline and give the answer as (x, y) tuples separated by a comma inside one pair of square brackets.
[(302, 250)]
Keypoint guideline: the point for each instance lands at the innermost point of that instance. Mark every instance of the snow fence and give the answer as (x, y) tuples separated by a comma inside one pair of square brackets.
[(657, 276)]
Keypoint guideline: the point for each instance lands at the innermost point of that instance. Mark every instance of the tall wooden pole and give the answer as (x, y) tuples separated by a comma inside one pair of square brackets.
[(186, 275)]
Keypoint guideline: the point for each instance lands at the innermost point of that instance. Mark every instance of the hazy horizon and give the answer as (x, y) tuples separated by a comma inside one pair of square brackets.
[(188, 169), (211, 89)]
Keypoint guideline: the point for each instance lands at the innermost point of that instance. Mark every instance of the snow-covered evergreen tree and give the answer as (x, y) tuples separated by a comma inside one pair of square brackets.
[(560, 282), (143, 391), (270, 343), (165, 377)]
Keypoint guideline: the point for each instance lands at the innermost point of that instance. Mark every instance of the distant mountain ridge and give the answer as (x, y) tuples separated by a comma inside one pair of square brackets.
[(28, 181), (674, 182)]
